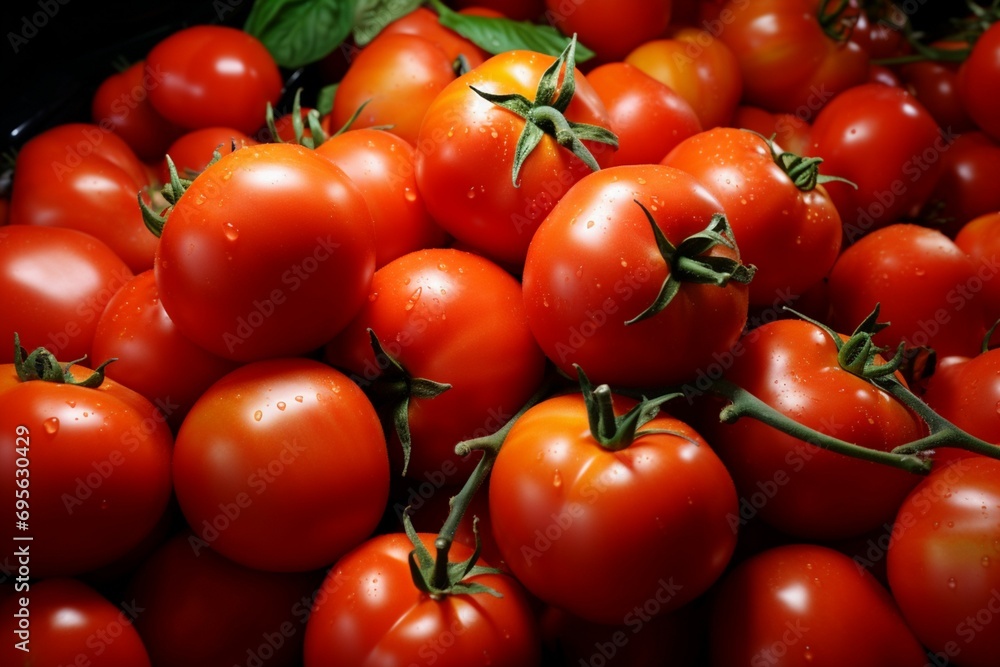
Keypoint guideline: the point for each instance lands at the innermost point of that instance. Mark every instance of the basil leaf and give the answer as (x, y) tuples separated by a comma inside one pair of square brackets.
[(373, 15), (497, 35), (324, 99), (300, 32)]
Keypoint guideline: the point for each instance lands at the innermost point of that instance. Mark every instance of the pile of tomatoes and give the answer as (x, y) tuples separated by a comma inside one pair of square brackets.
[(547, 333)]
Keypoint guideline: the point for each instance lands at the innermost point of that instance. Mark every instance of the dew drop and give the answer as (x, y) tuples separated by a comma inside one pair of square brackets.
[(258, 415), (281, 405), (951, 524), (230, 231), (471, 193), (985, 562), (624, 264), (298, 399), (413, 299), (442, 266), (952, 584), (919, 272), (372, 297), (936, 525), (51, 425), (71, 404), (493, 133), (590, 223), (104, 504), (556, 479), (641, 180), (451, 132), (409, 194)]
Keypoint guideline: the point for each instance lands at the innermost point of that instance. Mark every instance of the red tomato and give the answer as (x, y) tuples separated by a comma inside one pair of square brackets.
[(79, 176), (212, 75), (928, 289), (424, 23), (381, 165), (90, 468), (66, 622), (281, 465), (192, 151), (54, 285), (567, 508), (519, 10), (790, 131), (203, 610), (611, 29), (427, 308), (154, 359), (801, 605), (594, 265), (790, 231), (967, 393), (270, 252), (942, 562), (980, 240), (876, 120), (935, 85), (965, 188), (121, 104), (698, 67), (368, 608), (648, 117), (977, 79)]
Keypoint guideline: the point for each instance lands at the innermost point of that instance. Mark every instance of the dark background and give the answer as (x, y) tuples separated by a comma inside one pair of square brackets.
[(53, 76)]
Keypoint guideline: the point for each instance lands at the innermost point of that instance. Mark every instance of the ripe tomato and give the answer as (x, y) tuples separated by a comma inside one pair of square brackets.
[(935, 85), (79, 176), (976, 78), (648, 117), (805, 491), (427, 310), (424, 23), (368, 608), (980, 240), (789, 230), (211, 75), (791, 131), (964, 190), (519, 10), (192, 151), (967, 393), (269, 252), (594, 265), (610, 29), (942, 561), (381, 165), (121, 105), (55, 285), (69, 623), (281, 465), (800, 605)]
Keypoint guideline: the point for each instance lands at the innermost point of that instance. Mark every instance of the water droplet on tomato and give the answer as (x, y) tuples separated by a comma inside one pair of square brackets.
[(230, 231), (985, 562), (372, 296), (71, 404), (104, 504), (51, 425), (258, 415), (952, 584), (556, 479), (590, 223), (281, 405), (298, 399), (471, 193), (409, 194), (641, 180), (413, 299)]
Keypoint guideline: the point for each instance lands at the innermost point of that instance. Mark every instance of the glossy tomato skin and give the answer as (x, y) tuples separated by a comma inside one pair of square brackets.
[(790, 131), (967, 393), (557, 498), (976, 78), (203, 610), (611, 29), (270, 252), (381, 165), (869, 120), (980, 240), (70, 623), (77, 175), (56, 283), (192, 151), (424, 23), (792, 236), (98, 469), (648, 117), (593, 264), (369, 612), (935, 84), (281, 465), (805, 491), (465, 153), (924, 284), (810, 606), (964, 190), (210, 75), (454, 317), (942, 561), (154, 359)]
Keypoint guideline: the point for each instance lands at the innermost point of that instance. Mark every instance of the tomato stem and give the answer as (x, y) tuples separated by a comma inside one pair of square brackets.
[(42, 365)]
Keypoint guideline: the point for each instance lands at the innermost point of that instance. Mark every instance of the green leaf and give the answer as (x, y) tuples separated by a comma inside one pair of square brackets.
[(324, 99), (372, 16), (300, 32), (497, 35)]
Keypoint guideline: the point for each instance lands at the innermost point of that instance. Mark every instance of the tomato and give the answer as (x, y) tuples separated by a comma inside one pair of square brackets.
[(801, 605), (966, 393), (281, 465), (611, 29), (398, 75), (790, 131), (976, 76), (427, 308), (789, 230), (212, 75), (942, 561), (594, 266), (90, 468), (269, 252), (786, 60), (192, 151), (980, 240), (805, 491), (424, 23), (154, 359), (56, 282), (881, 139), (466, 150), (964, 190), (79, 176), (121, 103), (368, 609), (69, 623), (698, 67), (253, 616), (568, 506), (935, 85), (519, 10), (648, 117), (381, 165), (928, 289)]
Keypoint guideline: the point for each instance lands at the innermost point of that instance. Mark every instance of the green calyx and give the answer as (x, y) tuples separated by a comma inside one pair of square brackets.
[(546, 115), (436, 575), (803, 171), (856, 355), (689, 261), (42, 365), (172, 192)]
